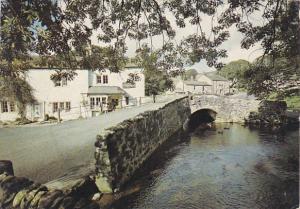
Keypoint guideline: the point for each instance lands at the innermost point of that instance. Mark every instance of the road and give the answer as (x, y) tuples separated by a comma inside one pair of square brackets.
[(60, 151)]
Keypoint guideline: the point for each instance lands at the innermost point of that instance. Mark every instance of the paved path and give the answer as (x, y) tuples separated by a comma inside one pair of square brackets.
[(65, 150)]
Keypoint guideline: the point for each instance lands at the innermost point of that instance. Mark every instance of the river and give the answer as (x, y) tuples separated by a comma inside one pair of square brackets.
[(228, 167)]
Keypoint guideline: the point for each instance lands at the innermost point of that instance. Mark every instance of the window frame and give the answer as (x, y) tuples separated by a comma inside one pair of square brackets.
[(98, 101), (98, 79), (4, 106), (57, 83), (92, 102), (64, 82), (105, 79), (12, 107), (61, 105), (55, 107), (68, 106)]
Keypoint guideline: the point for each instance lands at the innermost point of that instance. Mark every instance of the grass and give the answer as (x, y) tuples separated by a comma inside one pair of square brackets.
[(293, 102)]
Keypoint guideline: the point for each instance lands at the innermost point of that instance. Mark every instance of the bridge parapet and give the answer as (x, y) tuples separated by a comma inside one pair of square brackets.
[(228, 109)]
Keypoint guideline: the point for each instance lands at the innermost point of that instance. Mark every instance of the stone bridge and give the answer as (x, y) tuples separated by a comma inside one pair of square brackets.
[(227, 108)]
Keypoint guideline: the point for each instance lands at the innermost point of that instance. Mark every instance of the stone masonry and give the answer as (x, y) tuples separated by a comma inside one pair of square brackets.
[(22, 193), (227, 109), (122, 149)]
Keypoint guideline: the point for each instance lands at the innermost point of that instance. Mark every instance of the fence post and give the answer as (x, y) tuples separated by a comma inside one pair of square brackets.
[(80, 114), (58, 112), (44, 110)]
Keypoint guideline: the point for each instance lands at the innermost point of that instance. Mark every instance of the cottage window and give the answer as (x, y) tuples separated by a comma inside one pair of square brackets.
[(4, 106), (98, 100), (68, 106), (57, 83), (103, 100), (127, 100), (12, 107), (64, 82), (61, 105), (55, 107), (92, 102), (105, 78), (98, 79)]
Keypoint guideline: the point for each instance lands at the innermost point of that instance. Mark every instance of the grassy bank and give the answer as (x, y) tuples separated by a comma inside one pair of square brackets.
[(293, 102)]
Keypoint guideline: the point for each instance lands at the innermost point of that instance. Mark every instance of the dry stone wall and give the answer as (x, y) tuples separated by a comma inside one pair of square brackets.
[(122, 149), (22, 193)]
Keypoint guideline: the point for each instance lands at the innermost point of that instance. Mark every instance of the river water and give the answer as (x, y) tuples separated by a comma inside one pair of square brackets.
[(228, 167)]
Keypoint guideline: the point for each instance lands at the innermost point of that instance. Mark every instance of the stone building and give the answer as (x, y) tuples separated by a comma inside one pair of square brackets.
[(84, 96), (206, 83)]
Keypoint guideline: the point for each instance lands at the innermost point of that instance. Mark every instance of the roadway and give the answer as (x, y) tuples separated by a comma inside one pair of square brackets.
[(60, 151)]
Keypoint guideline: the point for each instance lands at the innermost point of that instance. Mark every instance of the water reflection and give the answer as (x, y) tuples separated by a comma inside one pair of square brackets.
[(230, 166)]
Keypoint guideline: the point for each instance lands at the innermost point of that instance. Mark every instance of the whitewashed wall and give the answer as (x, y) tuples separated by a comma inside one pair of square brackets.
[(46, 92), (75, 92)]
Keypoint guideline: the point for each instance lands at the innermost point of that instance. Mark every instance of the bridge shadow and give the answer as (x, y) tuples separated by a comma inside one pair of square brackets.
[(201, 117)]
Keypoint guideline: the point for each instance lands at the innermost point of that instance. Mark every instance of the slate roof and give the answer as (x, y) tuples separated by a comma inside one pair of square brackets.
[(215, 77), (196, 83), (107, 90)]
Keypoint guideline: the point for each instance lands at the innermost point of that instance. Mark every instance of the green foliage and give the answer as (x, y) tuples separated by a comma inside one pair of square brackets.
[(42, 27), (234, 71), (293, 102), (157, 83), (157, 79), (17, 90), (23, 28), (268, 75)]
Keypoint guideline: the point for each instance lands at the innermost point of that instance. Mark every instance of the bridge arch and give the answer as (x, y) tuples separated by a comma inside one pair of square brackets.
[(201, 116), (229, 109)]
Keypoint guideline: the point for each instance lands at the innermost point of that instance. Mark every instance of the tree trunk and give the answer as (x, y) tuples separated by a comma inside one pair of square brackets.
[(154, 98), (22, 110)]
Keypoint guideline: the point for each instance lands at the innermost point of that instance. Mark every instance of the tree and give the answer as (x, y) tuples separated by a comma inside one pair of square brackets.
[(234, 71), (42, 27), (23, 31), (267, 76), (22, 93), (190, 74), (157, 84), (157, 79)]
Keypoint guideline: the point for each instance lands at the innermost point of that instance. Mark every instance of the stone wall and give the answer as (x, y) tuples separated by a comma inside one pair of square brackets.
[(228, 109), (122, 149), (22, 193)]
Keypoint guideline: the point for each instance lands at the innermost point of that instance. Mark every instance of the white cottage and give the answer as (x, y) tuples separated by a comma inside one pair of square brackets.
[(84, 96)]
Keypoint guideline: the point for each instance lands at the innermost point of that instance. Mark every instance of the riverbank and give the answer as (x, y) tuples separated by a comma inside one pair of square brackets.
[(272, 113)]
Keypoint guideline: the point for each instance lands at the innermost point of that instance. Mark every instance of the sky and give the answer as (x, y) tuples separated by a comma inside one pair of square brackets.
[(232, 45)]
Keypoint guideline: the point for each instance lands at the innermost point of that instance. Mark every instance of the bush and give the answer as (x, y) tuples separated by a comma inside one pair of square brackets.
[(22, 121), (47, 117)]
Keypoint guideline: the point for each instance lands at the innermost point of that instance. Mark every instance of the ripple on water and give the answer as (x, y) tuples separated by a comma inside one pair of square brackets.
[(240, 168)]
